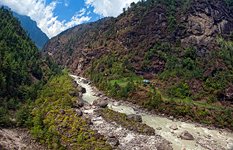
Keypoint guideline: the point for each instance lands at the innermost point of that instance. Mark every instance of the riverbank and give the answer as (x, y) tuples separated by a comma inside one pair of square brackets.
[(204, 137)]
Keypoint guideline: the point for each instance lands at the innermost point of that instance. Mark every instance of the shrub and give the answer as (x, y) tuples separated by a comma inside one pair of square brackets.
[(23, 116), (180, 90), (155, 100), (4, 117)]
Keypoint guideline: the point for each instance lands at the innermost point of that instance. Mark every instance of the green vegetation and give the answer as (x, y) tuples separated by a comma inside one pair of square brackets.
[(114, 76), (110, 116), (185, 90), (155, 99), (36, 93), (22, 70), (55, 123), (173, 7)]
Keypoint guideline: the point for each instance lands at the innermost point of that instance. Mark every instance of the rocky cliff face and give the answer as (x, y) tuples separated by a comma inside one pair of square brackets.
[(205, 21), (139, 29), (155, 37)]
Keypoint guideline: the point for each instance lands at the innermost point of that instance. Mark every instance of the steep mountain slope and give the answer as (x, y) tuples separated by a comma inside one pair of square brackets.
[(22, 70), (34, 32), (184, 48), (36, 94)]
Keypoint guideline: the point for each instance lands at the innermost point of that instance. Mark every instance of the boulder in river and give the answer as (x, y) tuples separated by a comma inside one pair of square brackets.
[(100, 103), (82, 89), (174, 127), (185, 135), (85, 81), (134, 117)]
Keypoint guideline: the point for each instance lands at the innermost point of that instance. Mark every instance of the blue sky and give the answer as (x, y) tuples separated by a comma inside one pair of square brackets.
[(66, 9), (55, 16)]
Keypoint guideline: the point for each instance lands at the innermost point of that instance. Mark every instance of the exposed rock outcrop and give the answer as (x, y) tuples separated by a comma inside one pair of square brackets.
[(198, 25)]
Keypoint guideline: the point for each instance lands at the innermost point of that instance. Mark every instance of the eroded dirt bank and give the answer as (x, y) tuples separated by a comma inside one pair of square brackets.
[(18, 139)]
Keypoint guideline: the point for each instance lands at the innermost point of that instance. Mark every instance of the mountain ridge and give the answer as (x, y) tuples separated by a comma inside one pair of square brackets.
[(183, 47), (34, 32)]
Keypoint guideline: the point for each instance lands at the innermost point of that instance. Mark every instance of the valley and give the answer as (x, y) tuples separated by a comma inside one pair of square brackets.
[(166, 128), (157, 77)]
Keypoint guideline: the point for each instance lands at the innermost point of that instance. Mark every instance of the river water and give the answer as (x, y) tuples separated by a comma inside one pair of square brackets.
[(204, 138)]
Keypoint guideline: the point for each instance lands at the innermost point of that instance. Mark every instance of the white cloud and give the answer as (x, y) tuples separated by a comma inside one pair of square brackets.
[(109, 7), (44, 15), (66, 3)]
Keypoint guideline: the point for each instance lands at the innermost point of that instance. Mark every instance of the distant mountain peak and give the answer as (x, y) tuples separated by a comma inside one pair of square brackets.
[(34, 32)]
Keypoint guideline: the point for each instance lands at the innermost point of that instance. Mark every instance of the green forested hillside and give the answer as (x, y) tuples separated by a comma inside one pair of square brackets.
[(22, 71), (36, 94)]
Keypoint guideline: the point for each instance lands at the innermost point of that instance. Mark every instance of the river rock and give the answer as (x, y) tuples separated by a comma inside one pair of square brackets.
[(185, 135), (116, 104), (174, 127), (164, 146), (149, 131), (112, 140), (159, 128), (83, 90), (79, 104), (98, 94), (85, 81), (79, 112), (100, 103), (134, 117)]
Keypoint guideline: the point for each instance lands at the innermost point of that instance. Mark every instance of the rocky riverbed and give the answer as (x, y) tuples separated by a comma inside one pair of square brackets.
[(18, 139), (170, 133)]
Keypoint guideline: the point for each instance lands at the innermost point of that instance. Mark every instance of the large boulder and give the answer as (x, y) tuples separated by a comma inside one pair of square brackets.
[(100, 103), (185, 135), (135, 117)]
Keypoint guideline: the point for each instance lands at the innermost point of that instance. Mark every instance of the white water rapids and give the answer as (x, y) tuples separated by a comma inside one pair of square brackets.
[(204, 138)]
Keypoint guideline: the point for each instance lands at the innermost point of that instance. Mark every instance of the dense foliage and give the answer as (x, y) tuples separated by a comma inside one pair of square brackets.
[(55, 122), (114, 76), (22, 70)]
